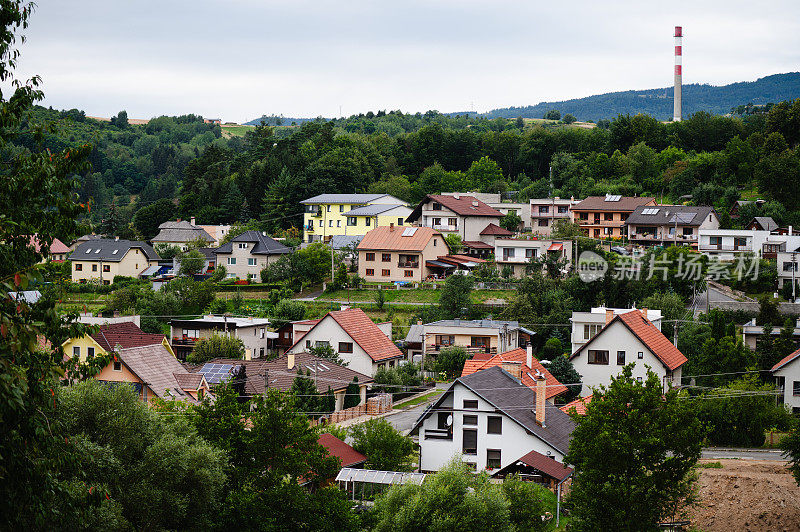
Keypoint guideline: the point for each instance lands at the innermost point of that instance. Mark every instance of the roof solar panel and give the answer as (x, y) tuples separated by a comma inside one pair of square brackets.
[(409, 231), (216, 373)]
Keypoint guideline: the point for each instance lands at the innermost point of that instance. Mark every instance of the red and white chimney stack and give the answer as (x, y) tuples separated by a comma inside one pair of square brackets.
[(676, 113)]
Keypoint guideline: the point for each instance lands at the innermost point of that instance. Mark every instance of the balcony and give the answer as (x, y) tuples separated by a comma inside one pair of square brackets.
[(186, 341), (439, 434), (310, 228), (408, 264), (445, 228), (720, 247), (315, 212), (435, 348)]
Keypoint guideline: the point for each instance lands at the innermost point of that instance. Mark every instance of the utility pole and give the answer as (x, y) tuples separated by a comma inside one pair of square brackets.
[(794, 265)]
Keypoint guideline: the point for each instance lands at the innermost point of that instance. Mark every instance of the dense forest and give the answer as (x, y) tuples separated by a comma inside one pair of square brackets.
[(180, 167)]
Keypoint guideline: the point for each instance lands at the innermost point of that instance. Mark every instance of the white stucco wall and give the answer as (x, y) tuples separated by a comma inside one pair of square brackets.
[(790, 373), (513, 443)]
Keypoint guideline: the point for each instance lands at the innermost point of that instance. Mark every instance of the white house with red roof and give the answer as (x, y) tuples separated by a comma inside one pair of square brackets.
[(362, 344), (626, 338), (522, 365), (459, 214), (787, 378)]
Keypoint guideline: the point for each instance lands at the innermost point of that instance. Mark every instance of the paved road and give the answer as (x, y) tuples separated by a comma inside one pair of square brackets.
[(712, 453), (403, 420), (699, 304)]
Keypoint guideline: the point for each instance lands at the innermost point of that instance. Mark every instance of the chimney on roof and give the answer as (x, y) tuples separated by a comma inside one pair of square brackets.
[(179, 219), (609, 315), (290, 361), (513, 367), (391, 227), (541, 392), (116, 239), (644, 313), (419, 322), (529, 355), (193, 220)]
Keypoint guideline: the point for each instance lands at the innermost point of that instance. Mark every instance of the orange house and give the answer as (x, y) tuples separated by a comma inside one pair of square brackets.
[(604, 217)]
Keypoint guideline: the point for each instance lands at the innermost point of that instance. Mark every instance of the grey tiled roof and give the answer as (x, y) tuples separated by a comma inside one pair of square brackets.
[(371, 210), (666, 215), (104, 249), (159, 370), (489, 324), (342, 198), (182, 231), (343, 241), (415, 333), (264, 244)]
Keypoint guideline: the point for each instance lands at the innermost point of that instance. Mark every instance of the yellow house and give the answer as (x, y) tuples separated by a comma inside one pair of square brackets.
[(108, 337), (327, 215), (104, 258)]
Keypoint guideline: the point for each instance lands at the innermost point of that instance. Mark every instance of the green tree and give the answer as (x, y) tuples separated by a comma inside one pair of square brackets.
[(454, 301), (568, 119), (484, 173), (191, 262), (287, 310), (450, 361), (562, 369), (564, 229), (327, 352), (216, 346), (552, 349), (633, 454), (791, 451), (148, 218), (167, 251), (352, 394), (384, 446), (511, 221), (380, 298), (193, 296), (552, 114), (453, 241)]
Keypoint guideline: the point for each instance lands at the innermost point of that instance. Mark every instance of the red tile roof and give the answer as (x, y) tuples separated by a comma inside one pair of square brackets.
[(399, 239), (465, 205), (336, 447), (579, 405), (476, 244), (518, 355), (366, 334), (494, 229), (546, 465), (786, 360), (625, 203), (125, 334)]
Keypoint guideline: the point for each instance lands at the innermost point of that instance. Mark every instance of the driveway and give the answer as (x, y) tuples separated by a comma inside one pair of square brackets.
[(717, 453), (403, 420)]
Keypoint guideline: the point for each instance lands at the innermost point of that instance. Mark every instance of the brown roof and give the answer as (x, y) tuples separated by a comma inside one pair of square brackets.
[(463, 206), (476, 244), (785, 360), (254, 372), (579, 405), (518, 355), (625, 203), (392, 239), (547, 465), (189, 381), (326, 373), (158, 369), (649, 335), (494, 229), (336, 447), (126, 334), (460, 259), (366, 334)]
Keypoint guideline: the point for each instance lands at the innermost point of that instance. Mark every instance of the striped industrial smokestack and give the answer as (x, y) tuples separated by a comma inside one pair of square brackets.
[(676, 113)]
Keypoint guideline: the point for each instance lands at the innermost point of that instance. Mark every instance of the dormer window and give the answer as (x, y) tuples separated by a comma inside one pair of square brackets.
[(436, 206), (242, 245)]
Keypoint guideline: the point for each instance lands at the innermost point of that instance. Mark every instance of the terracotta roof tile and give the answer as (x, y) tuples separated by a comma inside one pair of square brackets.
[(546, 465), (579, 405), (785, 360), (518, 355), (476, 244), (654, 339), (465, 205), (157, 368), (336, 447), (366, 334), (625, 203), (126, 334), (328, 374), (392, 239), (189, 381), (494, 229)]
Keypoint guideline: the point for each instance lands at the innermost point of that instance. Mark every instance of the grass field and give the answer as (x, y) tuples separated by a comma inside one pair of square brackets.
[(236, 131), (422, 295), (418, 400)]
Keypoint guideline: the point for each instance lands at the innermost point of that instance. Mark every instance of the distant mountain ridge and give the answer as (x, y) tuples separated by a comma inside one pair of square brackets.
[(658, 102)]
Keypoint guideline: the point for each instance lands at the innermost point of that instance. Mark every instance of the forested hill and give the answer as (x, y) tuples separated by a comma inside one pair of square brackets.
[(658, 102)]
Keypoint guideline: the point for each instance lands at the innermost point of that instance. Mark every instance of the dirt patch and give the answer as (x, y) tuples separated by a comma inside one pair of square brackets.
[(747, 495)]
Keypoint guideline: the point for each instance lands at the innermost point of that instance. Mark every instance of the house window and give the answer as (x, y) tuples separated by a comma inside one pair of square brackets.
[(470, 443), (242, 245), (408, 273), (688, 231), (493, 458), (544, 209), (563, 209), (327, 208), (436, 206), (434, 242), (590, 330), (542, 222), (89, 352), (106, 268), (479, 341), (370, 272), (471, 465), (345, 347), (231, 261), (78, 267), (608, 216), (330, 223), (620, 358), (441, 420), (452, 222), (796, 388), (191, 333), (367, 221), (261, 352), (385, 273), (370, 257), (638, 379), (320, 223), (352, 221), (470, 419), (445, 339), (94, 267), (640, 355), (117, 365), (386, 257), (597, 356), (262, 333), (106, 282), (322, 343), (338, 223), (470, 404), (531, 253), (400, 221), (76, 351), (308, 344), (341, 208), (251, 262), (494, 425)]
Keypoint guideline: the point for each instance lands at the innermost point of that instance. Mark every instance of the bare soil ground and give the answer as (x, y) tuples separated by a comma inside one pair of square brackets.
[(747, 495)]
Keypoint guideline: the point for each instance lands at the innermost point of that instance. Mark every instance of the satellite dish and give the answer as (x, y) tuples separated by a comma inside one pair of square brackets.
[(450, 420)]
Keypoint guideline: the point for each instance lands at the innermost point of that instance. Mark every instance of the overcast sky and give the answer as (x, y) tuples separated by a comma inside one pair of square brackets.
[(239, 59)]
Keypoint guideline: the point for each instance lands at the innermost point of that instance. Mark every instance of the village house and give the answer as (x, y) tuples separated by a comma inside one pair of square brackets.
[(327, 215), (545, 212), (627, 338), (787, 267), (181, 233), (752, 333), (464, 215), (517, 253), (57, 252), (605, 216), (254, 333), (365, 346), (522, 365), (669, 224), (409, 254), (109, 335), (103, 259), (209, 262), (585, 325), (733, 244), (476, 336), (291, 332), (489, 419), (763, 223), (217, 232), (787, 379), (247, 254)]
